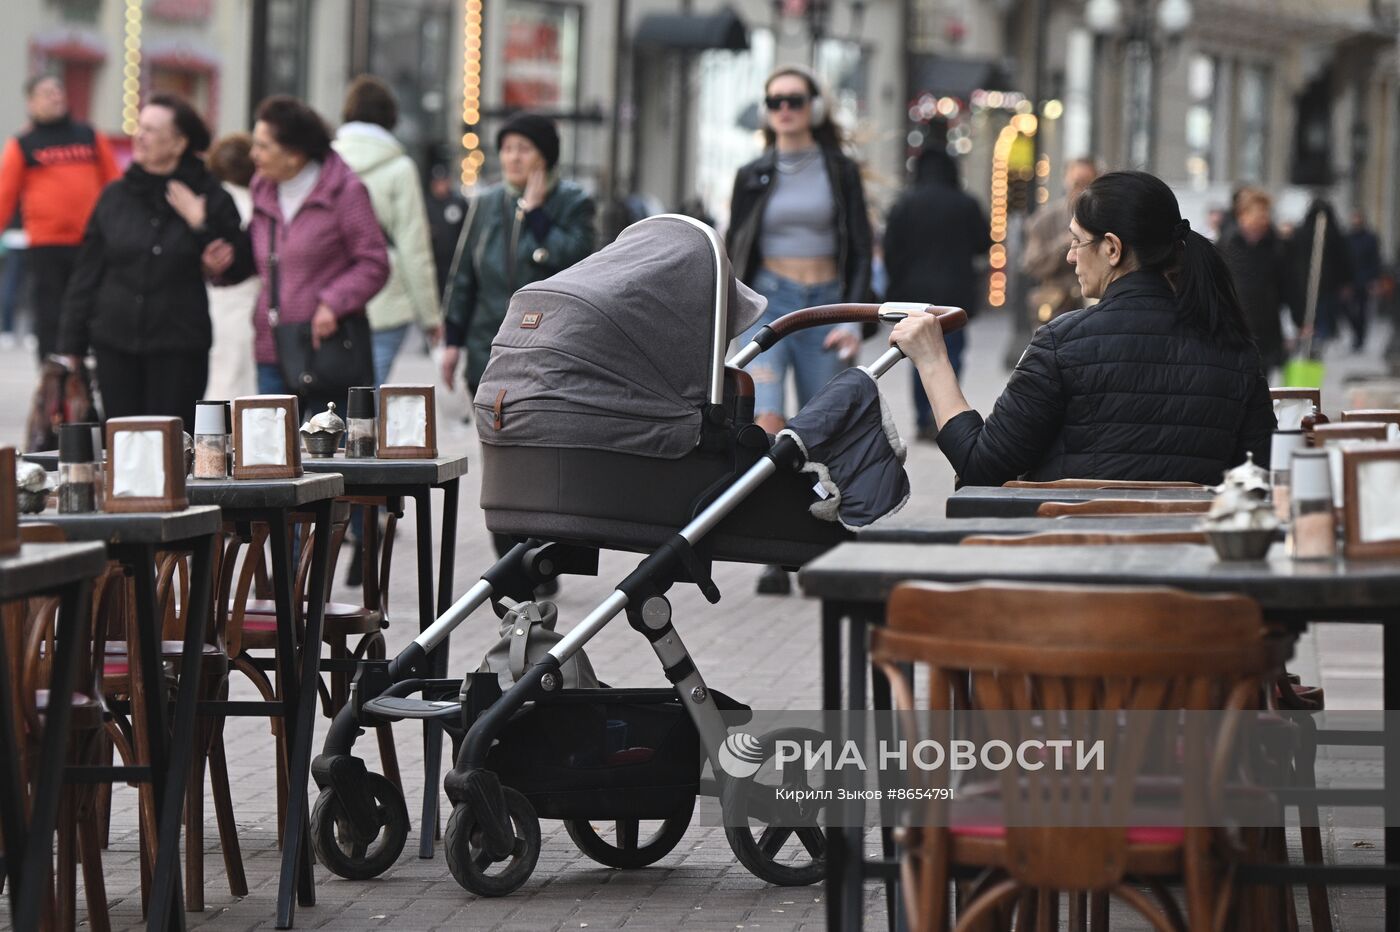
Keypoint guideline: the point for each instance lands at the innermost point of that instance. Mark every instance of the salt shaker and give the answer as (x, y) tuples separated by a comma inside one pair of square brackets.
[(77, 471), (211, 446), (1314, 532), (1281, 449), (361, 429)]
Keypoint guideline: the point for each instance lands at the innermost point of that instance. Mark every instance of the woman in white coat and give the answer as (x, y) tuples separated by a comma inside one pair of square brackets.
[(231, 306)]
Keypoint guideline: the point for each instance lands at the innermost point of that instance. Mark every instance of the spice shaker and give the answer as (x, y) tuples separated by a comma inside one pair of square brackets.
[(360, 427), (1314, 532), (77, 471), (1281, 450), (211, 447)]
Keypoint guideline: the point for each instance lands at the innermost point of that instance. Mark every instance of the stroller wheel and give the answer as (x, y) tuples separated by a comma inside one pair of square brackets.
[(346, 853), (780, 843), (629, 848), (472, 866)]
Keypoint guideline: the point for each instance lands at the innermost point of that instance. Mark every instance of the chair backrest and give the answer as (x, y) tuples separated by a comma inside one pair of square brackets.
[(1089, 652), (1107, 507), (1383, 415), (1099, 484), (1085, 538), (1324, 434)]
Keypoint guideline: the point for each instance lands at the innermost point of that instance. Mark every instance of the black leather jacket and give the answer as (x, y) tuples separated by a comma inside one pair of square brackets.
[(752, 186), (1120, 390)]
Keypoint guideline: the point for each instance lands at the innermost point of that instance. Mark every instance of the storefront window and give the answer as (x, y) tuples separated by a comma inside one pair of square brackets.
[(1200, 119), (729, 116), (409, 48), (540, 61), (280, 55), (1256, 93)]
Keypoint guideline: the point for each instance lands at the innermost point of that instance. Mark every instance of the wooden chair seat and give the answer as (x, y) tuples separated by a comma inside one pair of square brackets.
[(342, 620), (87, 715)]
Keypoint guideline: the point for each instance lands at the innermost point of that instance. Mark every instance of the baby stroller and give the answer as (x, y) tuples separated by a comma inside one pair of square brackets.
[(605, 426)]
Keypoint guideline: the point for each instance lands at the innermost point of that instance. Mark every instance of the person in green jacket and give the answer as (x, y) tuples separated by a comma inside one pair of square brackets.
[(524, 229), (410, 295)]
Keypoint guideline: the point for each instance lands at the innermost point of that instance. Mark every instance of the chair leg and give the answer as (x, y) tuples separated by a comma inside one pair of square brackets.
[(985, 906), (223, 811), (1146, 909), (194, 823), (1098, 912), (90, 852), (104, 790), (66, 882)]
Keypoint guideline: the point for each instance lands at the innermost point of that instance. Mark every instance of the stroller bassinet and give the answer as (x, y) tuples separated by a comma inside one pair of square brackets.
[(593, 412)]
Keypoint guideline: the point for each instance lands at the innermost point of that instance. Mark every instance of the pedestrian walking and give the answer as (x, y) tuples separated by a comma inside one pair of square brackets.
[(1364, 248), (1258, 261), (231, 306), (314, 223), (137, 297), (1158, 381), (524, 229), (799, 235), (936, 237), (1335, 276), (447, 208), (365, 141), (54, 170), (1054, 289)]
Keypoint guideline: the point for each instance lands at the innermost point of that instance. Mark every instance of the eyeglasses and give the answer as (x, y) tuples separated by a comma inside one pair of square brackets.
[(1075, 245), (793, 102)]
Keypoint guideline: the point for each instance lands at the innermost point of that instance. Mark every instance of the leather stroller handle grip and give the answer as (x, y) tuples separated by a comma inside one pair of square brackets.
[(949, 318)]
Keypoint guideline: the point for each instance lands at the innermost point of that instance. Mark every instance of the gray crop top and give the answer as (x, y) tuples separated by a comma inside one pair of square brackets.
[(799, 220)]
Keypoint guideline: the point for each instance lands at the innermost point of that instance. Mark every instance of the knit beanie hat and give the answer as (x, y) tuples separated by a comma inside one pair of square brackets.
[(540, 130)]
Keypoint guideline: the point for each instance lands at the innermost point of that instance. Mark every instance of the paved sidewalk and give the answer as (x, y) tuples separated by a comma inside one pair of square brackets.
[(762, 650)]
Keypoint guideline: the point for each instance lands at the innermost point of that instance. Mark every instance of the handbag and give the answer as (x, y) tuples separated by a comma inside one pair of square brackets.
[(527, 634), (344, 359), (1303, 371)]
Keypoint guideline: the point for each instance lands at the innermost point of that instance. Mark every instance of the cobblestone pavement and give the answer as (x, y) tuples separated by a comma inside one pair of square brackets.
[(762, 650)]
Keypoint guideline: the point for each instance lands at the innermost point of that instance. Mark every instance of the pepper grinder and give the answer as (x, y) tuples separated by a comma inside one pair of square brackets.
[(77, 471), (360, 424)]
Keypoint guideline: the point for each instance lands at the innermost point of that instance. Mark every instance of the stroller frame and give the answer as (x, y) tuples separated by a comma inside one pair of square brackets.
[(487, 814)]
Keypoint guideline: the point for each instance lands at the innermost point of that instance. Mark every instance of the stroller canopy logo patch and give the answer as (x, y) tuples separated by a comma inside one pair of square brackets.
[(741, 755), (531, 320)]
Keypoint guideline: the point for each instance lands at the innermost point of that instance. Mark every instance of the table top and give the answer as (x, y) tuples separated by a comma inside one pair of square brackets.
[(42, 567), (247, 494), (981, 501), (952, 530), (360, 474), (1285, 588), (142, 527)]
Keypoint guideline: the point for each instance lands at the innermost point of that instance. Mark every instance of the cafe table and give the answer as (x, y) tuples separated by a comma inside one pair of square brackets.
[(953, 530), (854, 580), (273, 501), (994, 501), (390, 481), (133, 540), (66, 570)]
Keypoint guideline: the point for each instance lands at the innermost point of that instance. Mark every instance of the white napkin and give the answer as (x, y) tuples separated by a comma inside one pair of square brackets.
[(138, 464), (406, 421), (264, 437)]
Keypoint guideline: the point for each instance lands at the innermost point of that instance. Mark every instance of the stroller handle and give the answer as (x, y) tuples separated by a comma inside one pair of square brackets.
[(951, 318)]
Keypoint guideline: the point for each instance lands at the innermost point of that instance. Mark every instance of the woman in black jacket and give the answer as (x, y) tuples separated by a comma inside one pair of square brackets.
[(1158, 381), (799, 235), (137, 297)]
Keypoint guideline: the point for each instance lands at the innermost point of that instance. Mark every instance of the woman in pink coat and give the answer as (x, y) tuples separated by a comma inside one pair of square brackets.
[(332, 257)]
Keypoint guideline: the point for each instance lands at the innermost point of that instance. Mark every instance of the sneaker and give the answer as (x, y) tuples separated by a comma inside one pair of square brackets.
[(774, 580)]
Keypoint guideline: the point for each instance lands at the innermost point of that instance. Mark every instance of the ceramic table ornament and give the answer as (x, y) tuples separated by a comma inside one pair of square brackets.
[(1371, 496), (32, 487), (407, 422), (265, 437), (1241, 523), (321, 433), (9, 504), (145, 464)]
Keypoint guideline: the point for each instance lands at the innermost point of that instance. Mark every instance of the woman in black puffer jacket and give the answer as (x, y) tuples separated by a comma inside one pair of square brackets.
[(1158, 381), (137, 296)]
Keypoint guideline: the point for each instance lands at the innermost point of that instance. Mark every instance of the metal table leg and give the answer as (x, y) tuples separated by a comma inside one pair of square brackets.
[(432, 731), (26, 893), (299, 706), (167, 906), (1390, 685), (12, 827), (836, 853)]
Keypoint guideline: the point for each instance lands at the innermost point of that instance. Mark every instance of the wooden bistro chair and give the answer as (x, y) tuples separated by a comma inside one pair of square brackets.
[(1120, 506), (30, 628), (1288, 693), (1006, 648), (1381, 415), (250, 627)]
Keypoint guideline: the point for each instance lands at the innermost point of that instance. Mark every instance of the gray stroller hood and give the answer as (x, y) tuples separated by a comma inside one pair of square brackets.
[(620, 352)]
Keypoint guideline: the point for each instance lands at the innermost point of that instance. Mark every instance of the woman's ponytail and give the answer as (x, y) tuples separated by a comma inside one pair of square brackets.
[(1205, 291)]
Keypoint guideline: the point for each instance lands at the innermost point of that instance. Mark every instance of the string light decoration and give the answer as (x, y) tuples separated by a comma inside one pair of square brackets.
[(131, 68), (472, 157), (1001, 189)]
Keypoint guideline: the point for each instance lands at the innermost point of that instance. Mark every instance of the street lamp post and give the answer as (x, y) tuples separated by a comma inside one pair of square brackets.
[(1146, 27)]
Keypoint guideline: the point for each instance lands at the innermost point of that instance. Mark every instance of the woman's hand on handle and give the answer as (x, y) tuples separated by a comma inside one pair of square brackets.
[(920, 337)]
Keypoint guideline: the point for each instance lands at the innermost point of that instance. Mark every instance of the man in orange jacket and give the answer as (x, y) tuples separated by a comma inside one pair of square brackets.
[(53, 170)]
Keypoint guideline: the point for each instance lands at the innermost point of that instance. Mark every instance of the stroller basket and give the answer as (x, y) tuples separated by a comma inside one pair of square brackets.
[(603, 754)]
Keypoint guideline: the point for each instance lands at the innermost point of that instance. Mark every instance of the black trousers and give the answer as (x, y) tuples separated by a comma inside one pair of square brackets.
[(151, 384), (50, 267)]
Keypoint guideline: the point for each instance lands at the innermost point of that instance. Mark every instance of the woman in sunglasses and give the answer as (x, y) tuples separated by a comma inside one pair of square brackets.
[(800, 236), (1160, 380)]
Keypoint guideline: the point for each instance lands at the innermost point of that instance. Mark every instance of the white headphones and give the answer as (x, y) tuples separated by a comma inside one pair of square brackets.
[(817, 101)]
